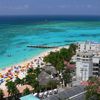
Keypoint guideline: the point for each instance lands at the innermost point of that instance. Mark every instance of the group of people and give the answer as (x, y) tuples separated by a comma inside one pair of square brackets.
[(19, 70)]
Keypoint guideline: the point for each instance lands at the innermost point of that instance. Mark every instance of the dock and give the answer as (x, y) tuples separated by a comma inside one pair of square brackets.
[(41, 46)]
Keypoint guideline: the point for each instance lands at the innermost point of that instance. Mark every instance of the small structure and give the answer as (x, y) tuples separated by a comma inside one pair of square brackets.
[(49, 68), (29, 97), (44, 78)]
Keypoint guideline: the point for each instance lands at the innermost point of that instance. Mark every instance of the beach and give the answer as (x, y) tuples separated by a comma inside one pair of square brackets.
[(15, 35), (20, 70)]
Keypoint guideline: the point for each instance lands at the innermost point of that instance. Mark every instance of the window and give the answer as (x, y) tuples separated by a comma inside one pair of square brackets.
[(95, 69), (78, 58), (86, 56), (86, 59), (78, 55), (95, 73), (83, 59), (95, 64)]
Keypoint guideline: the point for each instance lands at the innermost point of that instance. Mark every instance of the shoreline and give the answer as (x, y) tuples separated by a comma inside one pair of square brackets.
[(42, 54), (24, 65)]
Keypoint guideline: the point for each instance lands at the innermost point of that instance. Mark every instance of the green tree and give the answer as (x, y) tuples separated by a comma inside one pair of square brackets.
[(30, 71), (11, 86), (60, 66), (73, 48), (29, 78), (23, 81), (18, 81), (36, 86), (93, 88), (26, 91), (67, 78), (37, 71), (57, 58), (1, 94)]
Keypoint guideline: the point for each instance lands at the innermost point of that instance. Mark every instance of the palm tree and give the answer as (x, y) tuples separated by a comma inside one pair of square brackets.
[(36, 86), (26, 91), (29, 78), (1, 94), (30, 71), (18, 81), (11, 86), (37, 71)]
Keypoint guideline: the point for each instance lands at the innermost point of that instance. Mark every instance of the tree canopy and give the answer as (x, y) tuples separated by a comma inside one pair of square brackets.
[(11, 86), (57, 58), (1, 94), (93, 89)]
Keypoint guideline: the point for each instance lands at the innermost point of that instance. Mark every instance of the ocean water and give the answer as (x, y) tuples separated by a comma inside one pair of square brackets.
[(16, 33)]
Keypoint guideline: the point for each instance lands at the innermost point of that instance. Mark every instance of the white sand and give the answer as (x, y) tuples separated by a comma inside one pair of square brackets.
[(43, 54)]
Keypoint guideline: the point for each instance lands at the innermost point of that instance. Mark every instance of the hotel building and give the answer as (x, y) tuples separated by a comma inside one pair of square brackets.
[(87, 60)]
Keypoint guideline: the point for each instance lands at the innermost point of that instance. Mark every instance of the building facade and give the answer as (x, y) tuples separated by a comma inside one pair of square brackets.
[(87, 60)]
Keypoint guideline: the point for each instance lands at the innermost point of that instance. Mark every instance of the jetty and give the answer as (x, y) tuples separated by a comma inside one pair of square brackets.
[(41, 46)]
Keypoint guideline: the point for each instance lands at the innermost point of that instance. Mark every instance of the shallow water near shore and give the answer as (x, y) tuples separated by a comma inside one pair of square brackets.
[(14, 38)]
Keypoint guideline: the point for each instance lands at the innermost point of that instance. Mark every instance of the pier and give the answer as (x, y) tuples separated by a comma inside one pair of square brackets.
[(41, 46)]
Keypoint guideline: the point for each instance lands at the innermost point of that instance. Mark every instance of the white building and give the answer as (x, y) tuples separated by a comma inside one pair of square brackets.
[(88, 46), (87, 60), (96, 65)]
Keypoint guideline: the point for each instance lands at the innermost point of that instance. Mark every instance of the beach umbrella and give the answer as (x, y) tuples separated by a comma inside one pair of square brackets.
[(7, 79), (16, 74), (1, 81), (4, 76), (1, 75)]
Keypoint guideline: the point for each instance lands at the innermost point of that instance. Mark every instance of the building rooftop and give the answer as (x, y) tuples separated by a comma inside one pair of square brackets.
[(85, 53), (44, 78), (50, 68), (89, 42)]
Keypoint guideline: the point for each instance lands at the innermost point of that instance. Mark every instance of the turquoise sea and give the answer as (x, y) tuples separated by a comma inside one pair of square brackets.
[(17, 33)]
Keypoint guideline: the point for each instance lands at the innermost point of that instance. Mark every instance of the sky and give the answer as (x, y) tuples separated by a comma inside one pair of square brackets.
[(49, 7)]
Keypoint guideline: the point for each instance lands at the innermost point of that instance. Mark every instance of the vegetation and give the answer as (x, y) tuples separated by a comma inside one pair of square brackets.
[(93, 89), (18, 81), (67, 76), (26, 91), (30, 71), (12, 90), (1, 94), (57, 58)]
